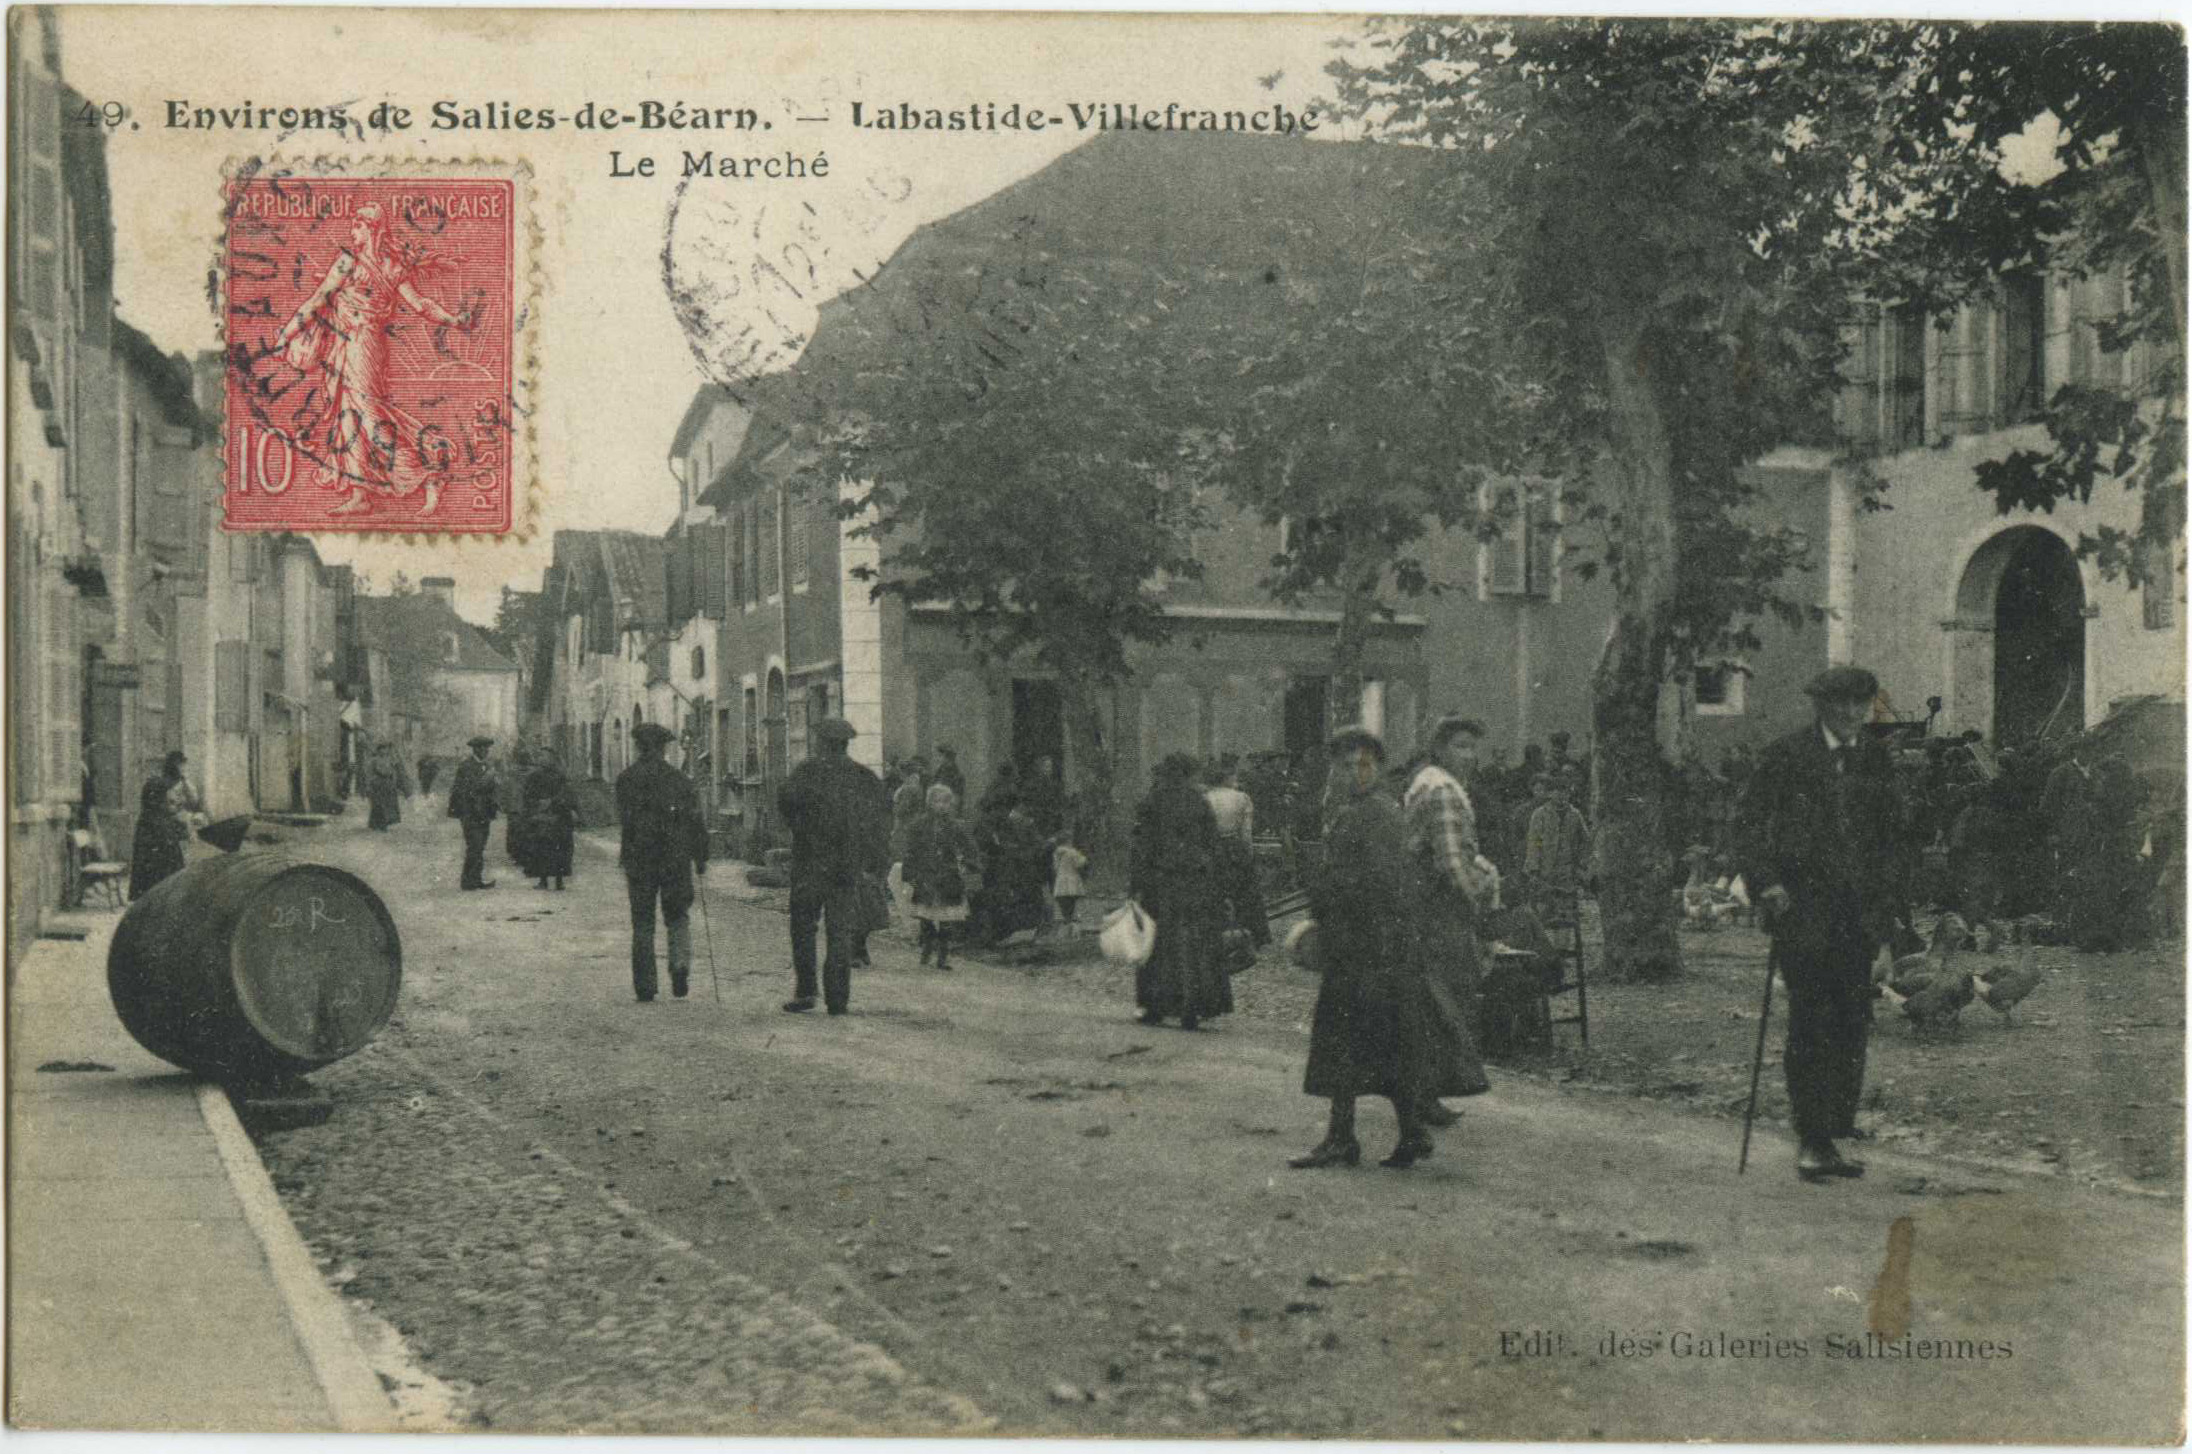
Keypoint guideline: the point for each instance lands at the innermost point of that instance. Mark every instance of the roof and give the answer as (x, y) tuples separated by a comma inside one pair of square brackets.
[(706, 400), (421, 624), (631, 566), (167, 378), (1189, 230), (638, 579)]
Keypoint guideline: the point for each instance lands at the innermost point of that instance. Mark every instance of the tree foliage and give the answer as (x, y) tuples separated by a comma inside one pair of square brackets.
[(2111, 197)]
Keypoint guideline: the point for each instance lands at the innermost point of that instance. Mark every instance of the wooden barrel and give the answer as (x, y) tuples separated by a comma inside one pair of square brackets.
[(255, 967)]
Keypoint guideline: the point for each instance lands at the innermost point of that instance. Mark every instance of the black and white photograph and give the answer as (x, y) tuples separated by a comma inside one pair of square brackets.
[(1057, 725)]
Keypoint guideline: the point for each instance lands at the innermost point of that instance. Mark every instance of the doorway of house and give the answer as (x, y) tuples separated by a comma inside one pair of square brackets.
[(2039, 640), (1308, 703), (1038, 725)]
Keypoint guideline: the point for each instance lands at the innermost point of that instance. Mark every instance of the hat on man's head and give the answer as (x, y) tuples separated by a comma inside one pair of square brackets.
[(1355, 735), (835, 729), (1844, 684), (650, 734), (481, 742)]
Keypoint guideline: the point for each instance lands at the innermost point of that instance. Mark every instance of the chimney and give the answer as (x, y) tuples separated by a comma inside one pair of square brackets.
[(442, 589)]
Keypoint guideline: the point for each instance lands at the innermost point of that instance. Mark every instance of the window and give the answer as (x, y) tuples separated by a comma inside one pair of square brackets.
[(2023, 348), (1717, 689), (753, 552), (1524, 560), (1906, 416), (795, 549), (769, 545), (753, 733), (700, 662), (450, 647), (738, 556)]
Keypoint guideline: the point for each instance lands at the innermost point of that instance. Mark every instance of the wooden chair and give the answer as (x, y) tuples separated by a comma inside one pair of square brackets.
[(95, 870)]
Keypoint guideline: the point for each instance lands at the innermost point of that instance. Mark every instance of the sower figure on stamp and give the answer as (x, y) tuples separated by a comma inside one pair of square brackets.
[(474, 799), (1816, 840), (663, 844), (840, 831)]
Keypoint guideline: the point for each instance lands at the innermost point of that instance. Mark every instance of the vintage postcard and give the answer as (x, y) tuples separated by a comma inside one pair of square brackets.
[(1165, 726)]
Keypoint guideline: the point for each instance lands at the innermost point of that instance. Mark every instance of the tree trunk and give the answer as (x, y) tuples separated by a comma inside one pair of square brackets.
[(1634, 867), (1359, 576), (1096, 812)]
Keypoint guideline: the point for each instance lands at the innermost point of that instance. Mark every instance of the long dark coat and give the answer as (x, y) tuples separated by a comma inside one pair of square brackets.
[(546, 824), (1175, 874), (1390, 1017), (157, 848), (384, 790)]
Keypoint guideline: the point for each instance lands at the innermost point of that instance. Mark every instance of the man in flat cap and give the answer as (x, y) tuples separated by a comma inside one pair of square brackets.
[(663, 842), (1816, 838), (840, 822), (473, 803)]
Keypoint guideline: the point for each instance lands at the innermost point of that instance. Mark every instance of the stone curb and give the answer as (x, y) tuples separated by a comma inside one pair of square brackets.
[(353, 1390)]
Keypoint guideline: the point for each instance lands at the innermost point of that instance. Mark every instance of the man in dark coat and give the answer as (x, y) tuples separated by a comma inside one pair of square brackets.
[(663, 843), (1817, 841), (840, 827), (474, 799)]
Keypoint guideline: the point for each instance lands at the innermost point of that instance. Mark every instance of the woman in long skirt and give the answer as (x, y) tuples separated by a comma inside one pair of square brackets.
[(384, 790), (1174, 874), (941, 860), (546, 841), (157, 849)]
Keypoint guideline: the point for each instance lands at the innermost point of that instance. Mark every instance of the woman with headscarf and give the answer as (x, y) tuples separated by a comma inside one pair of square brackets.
[(384, 789), (157, 848), (941, 859), (1174, 874), (1359, 900), (1385, 1022), (551, 825)]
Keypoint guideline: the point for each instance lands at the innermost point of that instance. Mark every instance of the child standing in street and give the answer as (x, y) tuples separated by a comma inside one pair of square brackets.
[(1066, 866)]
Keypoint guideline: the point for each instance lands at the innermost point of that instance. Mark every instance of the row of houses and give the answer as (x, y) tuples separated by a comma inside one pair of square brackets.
[(749, 618), (136, 625)]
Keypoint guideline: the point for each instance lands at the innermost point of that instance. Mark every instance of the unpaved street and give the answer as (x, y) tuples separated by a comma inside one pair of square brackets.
[(986, 1200)]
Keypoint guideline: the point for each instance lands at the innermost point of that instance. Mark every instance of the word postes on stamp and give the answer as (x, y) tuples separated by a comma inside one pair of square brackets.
[(373, 329)]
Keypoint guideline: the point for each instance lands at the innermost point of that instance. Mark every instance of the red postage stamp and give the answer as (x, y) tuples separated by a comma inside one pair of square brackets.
[(373, 328)]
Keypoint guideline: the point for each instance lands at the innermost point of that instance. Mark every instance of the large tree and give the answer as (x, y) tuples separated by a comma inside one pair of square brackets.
[(996, 409), (1655, 210)]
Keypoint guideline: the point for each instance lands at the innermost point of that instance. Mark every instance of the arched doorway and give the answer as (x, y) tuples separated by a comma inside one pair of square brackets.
[(2020, 653)]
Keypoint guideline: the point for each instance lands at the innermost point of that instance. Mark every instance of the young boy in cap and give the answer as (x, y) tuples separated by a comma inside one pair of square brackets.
[(1816, 845)]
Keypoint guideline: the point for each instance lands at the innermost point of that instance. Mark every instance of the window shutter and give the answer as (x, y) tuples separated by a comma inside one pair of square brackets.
[(1859, 404), (795, 545), (1963, 373), (714, 563), (1544, 541), (676, 589), (737, 531), (232, 686), (1906, 385), (753, 550), (1509, 562), (770, 544)]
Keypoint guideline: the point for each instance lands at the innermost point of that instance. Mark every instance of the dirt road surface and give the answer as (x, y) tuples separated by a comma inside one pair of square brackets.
[(989, 1201)]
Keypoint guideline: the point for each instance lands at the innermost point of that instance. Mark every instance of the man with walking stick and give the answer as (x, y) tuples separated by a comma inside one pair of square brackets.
[(1816, 838)]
